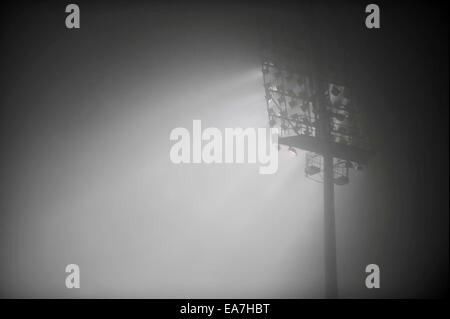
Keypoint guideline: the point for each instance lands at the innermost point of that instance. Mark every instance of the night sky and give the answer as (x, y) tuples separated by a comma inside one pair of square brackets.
[(86, 176)]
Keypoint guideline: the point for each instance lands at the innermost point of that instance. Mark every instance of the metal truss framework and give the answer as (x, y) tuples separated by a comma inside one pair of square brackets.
[(291, 105)]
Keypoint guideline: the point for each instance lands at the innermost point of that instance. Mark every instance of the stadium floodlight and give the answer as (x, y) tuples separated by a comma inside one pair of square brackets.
[(327, 129)]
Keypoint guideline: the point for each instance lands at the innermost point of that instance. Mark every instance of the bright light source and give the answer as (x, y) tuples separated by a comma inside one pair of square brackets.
[(292, 151)]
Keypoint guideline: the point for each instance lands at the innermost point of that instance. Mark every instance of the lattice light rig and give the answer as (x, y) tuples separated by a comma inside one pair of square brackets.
[(292, 104), (321, 117)]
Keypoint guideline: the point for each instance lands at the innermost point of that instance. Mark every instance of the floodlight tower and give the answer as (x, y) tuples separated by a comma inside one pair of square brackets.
[(318, 114)]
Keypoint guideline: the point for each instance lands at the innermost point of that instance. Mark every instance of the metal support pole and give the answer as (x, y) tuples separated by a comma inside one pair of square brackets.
[(329, 228), (331, 290)]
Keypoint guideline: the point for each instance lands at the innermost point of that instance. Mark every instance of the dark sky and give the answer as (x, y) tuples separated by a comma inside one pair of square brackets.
[(86, 116)]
